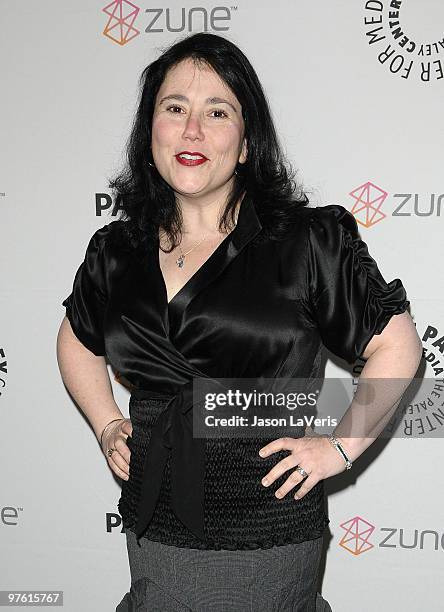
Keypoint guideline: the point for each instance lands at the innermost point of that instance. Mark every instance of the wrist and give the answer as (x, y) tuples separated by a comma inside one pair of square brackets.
[(108, 427), (338, 445), (354, 446)]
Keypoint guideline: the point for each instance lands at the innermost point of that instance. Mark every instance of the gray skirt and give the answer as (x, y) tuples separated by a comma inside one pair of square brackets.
[(170, 579)]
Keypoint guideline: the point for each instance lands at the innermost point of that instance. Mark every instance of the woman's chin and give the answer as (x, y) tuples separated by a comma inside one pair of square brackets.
[(189, 188)]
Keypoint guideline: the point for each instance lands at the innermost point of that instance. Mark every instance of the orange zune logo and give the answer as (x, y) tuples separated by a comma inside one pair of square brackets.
[(368, 201), (357, 534), (122, 15), (120, 26)]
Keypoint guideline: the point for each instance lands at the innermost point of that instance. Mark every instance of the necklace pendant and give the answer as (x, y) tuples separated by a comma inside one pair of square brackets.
[(180, 261)]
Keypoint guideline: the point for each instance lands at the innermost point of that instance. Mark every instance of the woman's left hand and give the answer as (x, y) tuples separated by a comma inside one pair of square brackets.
[(315, 454)]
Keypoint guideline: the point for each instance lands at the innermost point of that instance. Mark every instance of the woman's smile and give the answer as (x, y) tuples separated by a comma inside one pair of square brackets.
[(191, 159)]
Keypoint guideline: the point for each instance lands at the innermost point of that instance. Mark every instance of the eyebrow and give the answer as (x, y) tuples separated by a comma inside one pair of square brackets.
[(182, 98)]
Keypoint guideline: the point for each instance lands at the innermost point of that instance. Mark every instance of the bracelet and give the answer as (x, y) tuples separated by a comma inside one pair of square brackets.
[(338, 446), (101, 437)]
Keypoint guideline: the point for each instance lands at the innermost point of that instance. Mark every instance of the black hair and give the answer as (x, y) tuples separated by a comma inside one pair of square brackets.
[(147, 201)]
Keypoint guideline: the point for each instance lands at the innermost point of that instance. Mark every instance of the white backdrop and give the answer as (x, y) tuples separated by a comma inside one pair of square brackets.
[(356, 101)]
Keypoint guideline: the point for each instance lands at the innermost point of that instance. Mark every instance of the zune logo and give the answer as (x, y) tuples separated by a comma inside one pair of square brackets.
[(368, 201), (9, 515), (369, 198), (122, 15), (356, 539), (357, 534)]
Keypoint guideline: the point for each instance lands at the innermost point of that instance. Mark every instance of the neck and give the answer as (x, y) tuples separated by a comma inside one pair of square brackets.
[(203, 218)]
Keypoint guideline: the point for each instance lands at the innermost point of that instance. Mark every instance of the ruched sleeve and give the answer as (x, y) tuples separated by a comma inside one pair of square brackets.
[(349, 299), (85, 306)]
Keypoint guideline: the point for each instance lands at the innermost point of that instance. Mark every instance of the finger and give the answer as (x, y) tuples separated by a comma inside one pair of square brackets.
[(121, 445), (306, 486), (117, 471), (127, 428), (292, 481), (277, 445), (119, 454), (119, 465), (280, 468)]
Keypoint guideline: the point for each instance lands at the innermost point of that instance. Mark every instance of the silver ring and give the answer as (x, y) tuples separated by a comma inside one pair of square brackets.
[(301, 471), (110, 451)]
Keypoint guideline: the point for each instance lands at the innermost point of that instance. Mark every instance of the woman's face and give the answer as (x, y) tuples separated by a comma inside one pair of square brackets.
[(196, 112)]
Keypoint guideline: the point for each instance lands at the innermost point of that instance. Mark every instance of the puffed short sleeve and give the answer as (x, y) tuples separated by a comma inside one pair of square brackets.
[(85, 306), (349, 299)]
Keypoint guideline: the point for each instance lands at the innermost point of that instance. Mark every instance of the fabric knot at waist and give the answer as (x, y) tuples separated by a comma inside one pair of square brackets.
[(172, 436)]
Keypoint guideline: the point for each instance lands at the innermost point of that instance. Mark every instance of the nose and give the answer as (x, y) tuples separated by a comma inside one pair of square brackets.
[(193, 128)]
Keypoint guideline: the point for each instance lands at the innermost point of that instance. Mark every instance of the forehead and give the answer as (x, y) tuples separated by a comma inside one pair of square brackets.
[(188, 76)]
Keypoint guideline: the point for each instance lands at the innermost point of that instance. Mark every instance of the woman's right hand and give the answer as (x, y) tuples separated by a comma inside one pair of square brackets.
[(115, 437)]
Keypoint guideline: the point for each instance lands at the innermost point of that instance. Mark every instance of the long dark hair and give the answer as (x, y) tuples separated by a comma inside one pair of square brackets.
[(146, 201)]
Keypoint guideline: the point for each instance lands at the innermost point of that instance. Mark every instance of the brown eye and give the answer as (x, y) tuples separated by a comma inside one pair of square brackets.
[(218, 110), (173, 106)]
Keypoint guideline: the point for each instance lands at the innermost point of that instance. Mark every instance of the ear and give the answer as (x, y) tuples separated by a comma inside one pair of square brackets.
[(244, 152)]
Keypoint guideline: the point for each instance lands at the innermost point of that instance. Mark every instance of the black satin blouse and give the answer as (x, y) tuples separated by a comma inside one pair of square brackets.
[(253, 309)]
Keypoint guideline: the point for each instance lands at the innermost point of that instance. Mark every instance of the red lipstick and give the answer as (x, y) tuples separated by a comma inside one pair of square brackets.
[(191, 158)]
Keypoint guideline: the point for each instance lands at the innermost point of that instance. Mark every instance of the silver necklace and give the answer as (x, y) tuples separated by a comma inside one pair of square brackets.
[(181, 259)]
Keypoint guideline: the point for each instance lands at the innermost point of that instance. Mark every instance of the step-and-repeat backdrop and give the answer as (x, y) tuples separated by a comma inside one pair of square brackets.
[(356, 89)]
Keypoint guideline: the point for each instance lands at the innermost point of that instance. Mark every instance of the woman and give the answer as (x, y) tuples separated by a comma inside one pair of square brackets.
[(215, 269)]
